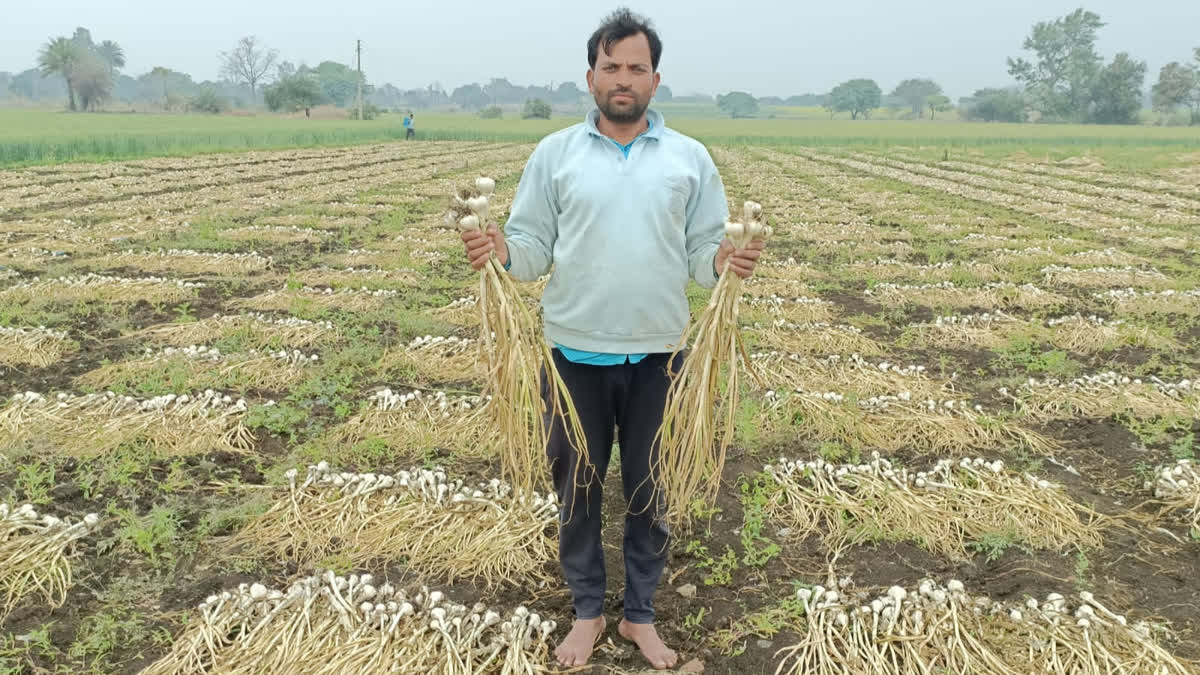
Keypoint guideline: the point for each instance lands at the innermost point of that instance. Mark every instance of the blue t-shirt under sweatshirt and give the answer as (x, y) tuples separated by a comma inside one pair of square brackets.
[(633, 222)]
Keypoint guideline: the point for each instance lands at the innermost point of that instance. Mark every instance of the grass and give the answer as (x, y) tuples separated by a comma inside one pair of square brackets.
[(30, 137)]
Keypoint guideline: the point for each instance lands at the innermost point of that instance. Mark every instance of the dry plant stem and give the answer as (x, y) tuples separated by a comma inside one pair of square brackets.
[(517, 358), (489, 534), (850, 506), (698, 422)]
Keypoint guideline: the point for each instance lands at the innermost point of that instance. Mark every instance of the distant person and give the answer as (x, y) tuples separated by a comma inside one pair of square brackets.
[(410, 127)]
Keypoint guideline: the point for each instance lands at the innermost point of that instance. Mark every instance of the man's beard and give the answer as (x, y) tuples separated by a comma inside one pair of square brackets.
[(627, 115)]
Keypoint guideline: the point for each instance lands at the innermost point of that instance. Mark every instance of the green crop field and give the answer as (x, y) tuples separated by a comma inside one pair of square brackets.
[(40, 137)]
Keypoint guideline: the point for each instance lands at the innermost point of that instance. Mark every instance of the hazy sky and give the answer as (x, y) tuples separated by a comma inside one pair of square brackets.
[(767, 48)]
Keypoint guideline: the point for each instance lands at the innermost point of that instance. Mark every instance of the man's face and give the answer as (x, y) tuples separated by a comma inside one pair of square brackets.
[(623, 81)]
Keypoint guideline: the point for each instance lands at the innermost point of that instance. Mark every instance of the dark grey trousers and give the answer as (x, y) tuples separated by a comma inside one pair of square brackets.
[(630, 397)]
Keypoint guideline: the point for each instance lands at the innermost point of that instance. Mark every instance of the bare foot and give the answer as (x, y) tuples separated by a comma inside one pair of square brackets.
[(576, 648), (658, 654)]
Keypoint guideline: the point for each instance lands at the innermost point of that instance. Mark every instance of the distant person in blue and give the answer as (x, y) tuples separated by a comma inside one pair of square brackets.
[(410, 127), (626, 211)]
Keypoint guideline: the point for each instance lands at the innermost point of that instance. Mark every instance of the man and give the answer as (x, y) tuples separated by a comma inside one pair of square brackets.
[(410, 127), (626, 210)]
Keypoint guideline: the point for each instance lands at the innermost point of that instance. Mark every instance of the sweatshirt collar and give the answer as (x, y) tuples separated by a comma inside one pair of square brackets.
[(655, 118)]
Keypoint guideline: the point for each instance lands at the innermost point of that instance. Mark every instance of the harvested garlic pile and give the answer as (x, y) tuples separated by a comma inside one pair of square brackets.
[(355, 624), (114, 404), (943, 628), (93, 280), (438, 401), (984, 319), (1091, 320), (449, 343), (428, 485)]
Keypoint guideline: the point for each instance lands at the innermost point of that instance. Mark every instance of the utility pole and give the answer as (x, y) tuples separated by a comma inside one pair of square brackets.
[(360, 101)]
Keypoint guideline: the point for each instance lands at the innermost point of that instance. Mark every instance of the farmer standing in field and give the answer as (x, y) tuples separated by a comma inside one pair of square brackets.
[(626, 210)]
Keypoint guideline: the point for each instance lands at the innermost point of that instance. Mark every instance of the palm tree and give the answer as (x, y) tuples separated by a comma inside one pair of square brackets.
[(61, 56), (162, 73), (112, 54)]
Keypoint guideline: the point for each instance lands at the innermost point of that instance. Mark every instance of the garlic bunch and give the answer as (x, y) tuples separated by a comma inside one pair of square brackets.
[(751, 227), (472, 207)]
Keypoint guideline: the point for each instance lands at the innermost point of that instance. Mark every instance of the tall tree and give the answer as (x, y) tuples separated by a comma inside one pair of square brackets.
[(248, 63), (738, 104), (569, 93), (112, 55), (858, 97), (938, 103), (470, 97), (162, 74), (1178, 86), (296, 92), (915, 92), (1065, 65), (93, 82), (83, 38), (1117, 92), (61, 56), (338, 82)]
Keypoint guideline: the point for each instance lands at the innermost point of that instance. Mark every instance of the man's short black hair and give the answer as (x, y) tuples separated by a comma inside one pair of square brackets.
[(618, 26)]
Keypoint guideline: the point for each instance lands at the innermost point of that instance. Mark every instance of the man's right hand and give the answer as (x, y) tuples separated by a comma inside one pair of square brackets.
[(480, 244)]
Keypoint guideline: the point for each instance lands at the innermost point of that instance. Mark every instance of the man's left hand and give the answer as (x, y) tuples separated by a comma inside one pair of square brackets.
[(741, 260)]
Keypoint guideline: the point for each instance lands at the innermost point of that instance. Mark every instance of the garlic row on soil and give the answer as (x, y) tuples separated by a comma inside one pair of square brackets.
[(839, 360), (945, 474), (466, 301), (354, 623), (363, 290), (1108, 380), (1050, 271), (943, 628), (1126, 294), (428, 485), (433, 402), (884, 401), (248, 257), (292, 229), (39, 333), (259, 317), (116, 404), (102, 280), (206, 353), (1091, 320), (776, 302), (784, 324), (448, 342), (950, 285), (984, 318)]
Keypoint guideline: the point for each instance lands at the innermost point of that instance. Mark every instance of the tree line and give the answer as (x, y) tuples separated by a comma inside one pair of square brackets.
[(1060, 77)]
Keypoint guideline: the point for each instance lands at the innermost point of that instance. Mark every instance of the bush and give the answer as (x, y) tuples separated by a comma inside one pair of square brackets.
[(370, 111), (493, 112), (536, 109), (207, 101), (996, 105)]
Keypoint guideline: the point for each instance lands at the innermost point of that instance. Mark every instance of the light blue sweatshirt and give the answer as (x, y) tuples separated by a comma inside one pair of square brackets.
[(624, 235)]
